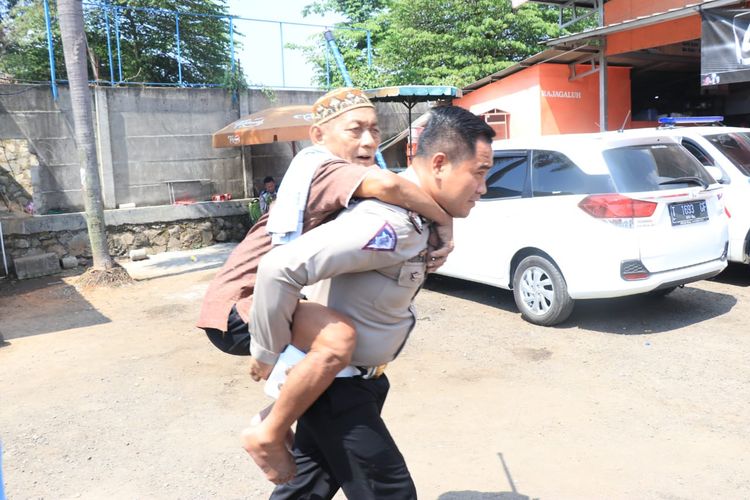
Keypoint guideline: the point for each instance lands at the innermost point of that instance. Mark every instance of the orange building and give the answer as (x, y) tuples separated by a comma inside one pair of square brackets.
[(644, 58), (543, 100), (661, 41), (648, 36)]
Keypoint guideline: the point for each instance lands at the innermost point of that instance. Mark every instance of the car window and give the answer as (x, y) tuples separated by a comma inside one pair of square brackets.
[(696, 151), (736, 147), (507, 177), (554, 174), (652, 167)]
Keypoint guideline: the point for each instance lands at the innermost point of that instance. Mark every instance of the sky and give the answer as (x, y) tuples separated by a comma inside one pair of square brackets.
[(261, 54)]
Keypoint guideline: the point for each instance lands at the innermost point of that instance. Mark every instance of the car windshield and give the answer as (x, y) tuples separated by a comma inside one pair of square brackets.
[(654, 167), (736, 147)]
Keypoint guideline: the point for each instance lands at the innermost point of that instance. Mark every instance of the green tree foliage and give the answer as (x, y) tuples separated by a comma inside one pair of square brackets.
[(23, 42), (351, 39), (435, 42), (5, 6), (357, 11), (148, 42)]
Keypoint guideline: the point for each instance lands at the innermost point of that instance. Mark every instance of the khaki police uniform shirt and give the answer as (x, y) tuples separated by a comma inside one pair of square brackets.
[(368, 264), (331, 190)]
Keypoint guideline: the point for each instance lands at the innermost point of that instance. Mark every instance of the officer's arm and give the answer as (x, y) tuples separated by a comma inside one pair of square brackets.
[(394, 189), (338, 247)]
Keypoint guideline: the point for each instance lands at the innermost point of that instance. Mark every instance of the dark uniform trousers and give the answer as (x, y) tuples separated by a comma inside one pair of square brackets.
[(236, 340), (342, 441)]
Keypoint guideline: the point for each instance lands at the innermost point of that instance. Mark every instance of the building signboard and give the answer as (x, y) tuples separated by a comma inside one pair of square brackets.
[(562, 94)]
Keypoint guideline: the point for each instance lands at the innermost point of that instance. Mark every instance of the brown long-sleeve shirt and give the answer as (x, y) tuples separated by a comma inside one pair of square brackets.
[(331, 190)]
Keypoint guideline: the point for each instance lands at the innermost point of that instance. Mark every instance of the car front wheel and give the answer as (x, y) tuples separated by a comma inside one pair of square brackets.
[(540, 292)]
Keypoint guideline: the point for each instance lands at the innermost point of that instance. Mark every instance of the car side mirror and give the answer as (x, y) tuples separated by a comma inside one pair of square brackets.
[(717, 174)]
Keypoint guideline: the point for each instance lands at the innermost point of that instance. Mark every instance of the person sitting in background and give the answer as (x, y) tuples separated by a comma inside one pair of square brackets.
[(267, 195)]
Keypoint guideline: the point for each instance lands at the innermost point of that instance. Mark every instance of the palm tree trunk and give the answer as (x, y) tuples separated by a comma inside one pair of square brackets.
[(70, 13)]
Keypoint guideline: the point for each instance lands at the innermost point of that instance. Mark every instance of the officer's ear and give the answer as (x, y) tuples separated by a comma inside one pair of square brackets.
[(439, 164), (316, 134)]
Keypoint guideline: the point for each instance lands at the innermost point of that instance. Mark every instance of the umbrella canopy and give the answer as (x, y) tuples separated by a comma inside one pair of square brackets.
[(413, 93), (285, 123)]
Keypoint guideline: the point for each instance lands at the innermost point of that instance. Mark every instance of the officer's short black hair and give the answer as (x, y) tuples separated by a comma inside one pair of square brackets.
[(268, 179), (454, 131)]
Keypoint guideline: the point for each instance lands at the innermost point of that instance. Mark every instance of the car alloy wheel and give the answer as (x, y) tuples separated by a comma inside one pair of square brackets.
[(536, 290), (540, 292)]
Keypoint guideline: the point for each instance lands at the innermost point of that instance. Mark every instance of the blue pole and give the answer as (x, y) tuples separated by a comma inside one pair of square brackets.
[(2, 484), (51, 50), (119, 53), (369, 50), (338, 58), (109, 46), (328, 68), (179, 57), (348, 81), (231, 41), (283, 74)]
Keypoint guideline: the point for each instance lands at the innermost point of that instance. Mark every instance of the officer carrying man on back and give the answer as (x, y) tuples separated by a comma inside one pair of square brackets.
[(367, 264)]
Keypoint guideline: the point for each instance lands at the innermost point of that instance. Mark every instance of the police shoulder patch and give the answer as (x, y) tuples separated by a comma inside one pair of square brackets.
[(384, 240)]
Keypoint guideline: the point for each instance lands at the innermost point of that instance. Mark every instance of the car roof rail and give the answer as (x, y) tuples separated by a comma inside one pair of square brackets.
[(671, 121)]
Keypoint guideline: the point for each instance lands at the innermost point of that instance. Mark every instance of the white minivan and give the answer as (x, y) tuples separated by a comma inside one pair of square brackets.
[(725, 152), (587, 216)]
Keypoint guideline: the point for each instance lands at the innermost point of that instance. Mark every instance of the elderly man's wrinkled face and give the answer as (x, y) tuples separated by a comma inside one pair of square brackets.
[(353, 136)]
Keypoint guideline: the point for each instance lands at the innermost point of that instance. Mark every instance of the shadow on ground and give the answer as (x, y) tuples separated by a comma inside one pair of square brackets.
[(43, 305), (478, 495), (634, 315), (495, 495), (735, 275)]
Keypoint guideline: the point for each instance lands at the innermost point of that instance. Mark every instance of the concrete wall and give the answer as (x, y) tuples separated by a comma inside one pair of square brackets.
[(147, 137), (29, 113), (160, 135)]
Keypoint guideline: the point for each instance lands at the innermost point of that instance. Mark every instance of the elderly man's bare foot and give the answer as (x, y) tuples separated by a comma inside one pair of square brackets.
[(272, 456)]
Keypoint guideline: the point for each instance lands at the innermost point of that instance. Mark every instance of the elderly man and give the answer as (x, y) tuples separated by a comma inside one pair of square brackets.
[(321, 181), (368, 264)]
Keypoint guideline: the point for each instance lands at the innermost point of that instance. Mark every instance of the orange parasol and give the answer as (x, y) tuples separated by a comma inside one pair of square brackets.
[(285, 123)]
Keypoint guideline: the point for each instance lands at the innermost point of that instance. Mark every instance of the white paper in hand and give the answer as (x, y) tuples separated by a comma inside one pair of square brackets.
[(288, 358)]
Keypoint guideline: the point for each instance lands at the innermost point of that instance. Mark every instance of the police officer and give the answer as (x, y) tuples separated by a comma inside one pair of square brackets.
[(368, 264), (321, 181)]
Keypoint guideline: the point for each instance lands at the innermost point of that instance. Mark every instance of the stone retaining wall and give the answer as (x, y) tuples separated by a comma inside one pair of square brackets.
[(16, 162), (157, 229), (154, 237)]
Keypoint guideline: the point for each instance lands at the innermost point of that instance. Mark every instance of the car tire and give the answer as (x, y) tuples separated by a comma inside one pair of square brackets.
[(540, 292)]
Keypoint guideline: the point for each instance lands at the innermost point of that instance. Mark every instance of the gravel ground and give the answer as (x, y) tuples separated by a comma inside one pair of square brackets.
[(114, 394)]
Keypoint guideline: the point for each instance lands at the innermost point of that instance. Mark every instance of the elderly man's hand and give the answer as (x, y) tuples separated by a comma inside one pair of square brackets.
[(441, 244), (259, 371)]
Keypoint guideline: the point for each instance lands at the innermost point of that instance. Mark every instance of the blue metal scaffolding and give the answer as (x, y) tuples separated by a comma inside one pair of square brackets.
[(113, 13)]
